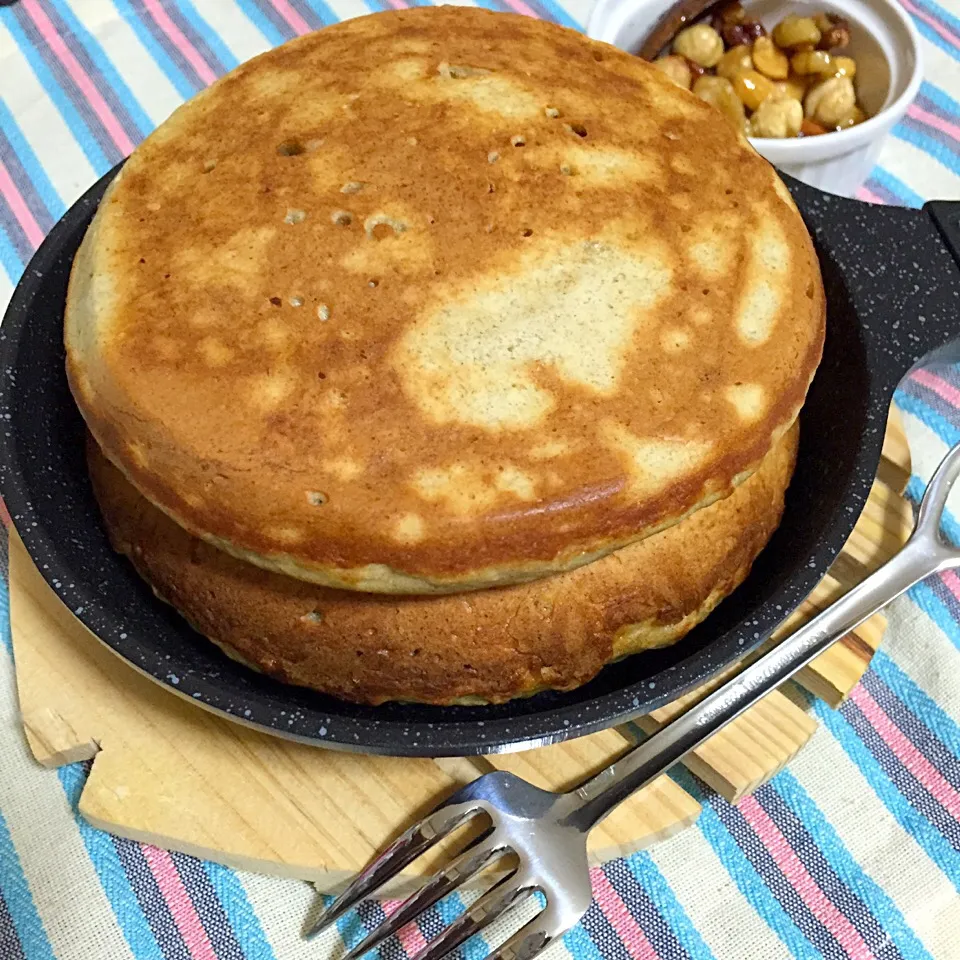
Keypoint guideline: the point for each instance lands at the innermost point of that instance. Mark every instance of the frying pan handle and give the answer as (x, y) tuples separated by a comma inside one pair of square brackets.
[(946, 215), (896, 272)]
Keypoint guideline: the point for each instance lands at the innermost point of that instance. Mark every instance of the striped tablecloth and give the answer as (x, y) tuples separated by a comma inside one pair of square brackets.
[(853, 852)]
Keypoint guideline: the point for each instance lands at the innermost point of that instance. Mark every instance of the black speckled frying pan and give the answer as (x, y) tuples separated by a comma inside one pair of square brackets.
[(893, 291)]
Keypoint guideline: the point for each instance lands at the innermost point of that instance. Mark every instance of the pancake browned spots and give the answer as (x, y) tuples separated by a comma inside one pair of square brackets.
[(450, 265)]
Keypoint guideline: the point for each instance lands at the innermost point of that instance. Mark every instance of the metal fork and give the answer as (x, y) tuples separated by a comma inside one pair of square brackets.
[(545, 834)]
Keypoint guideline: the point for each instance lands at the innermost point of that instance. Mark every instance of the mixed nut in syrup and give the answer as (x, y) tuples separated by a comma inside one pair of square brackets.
[(794, 82)]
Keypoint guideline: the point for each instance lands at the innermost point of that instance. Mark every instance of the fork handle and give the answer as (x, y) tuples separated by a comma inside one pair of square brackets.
[(923, 555)]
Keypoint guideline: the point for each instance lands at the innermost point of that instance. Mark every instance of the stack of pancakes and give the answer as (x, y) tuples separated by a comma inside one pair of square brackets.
[(443, 356)]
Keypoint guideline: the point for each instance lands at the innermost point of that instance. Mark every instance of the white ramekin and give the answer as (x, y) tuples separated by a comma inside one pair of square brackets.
[(884, 43)]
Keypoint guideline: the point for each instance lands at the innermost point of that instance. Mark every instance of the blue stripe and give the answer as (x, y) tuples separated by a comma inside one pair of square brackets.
[(236, 905), (941, 13), (930, 728), (928, 33), (941, 99), (924, 596), (10, 946), (5, 636), (31, 165), (78, 126), (744, 874), (103, 63), (16, 893), (209, 36), (9, 258), (910, 132), (327, 16), (448, 909), (897, 187), (648, 876), (832, 849), (949, 525), (262, 22), (559, 14), (933, 843), (579, 942), (180, 81), (113, 878), (931, 399), (606, 940), (940, 425)]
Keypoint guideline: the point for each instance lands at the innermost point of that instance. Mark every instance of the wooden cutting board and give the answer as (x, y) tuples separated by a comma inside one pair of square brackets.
[(167, 772)]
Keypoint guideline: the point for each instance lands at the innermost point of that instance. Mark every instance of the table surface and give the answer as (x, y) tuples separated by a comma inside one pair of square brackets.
[(852, 852)]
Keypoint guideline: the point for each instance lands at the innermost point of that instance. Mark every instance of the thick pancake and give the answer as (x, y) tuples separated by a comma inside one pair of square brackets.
[(438, 299), (493, 645)]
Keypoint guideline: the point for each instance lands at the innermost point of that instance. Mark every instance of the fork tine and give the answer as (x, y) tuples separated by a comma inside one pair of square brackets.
[(481, 913), (529, 941), (404, 850), (445, 881)]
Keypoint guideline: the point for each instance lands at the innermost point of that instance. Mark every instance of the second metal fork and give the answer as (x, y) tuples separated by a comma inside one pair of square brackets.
[(544, 834)]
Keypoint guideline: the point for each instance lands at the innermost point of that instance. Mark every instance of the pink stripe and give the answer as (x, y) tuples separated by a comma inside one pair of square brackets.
[(410, 937), (907, 753), (78, 75), (845, 933), (936, 25), (518, 6), (398, 4), (189, 51), (939, 386), (932, 120), (952, 582), (618, 916), (869, 196), (297, 22), (179, 903), (10, 193)]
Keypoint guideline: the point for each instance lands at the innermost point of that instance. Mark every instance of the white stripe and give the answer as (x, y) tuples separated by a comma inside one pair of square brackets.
[(282, 907), (929, 658), (237, 32), (939, 68), (918, 169), (6, 291), (348, 9), (44, 128), (927, 450), (885, 851), (68, 895), (141, 73), (579, 10), (722, 915)]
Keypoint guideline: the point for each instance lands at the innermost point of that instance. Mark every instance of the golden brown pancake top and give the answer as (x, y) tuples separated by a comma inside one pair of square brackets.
[(441, 298)]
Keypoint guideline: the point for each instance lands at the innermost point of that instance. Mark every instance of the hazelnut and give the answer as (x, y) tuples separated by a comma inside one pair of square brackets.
[(855, 116), (830, 101), (733, 61), (810, 62), (718, 91), (844, 67), (792, 31), (728, 13), (677, 69), (738, 34), (794, 87), (777, 119), (753, 88), (770, 60), (699, 43), (837, 37)]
